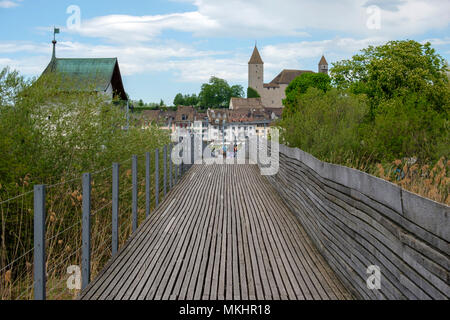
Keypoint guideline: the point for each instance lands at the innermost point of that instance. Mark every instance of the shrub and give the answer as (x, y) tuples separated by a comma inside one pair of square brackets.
[(326, 123), (252, 93), (300, 85)]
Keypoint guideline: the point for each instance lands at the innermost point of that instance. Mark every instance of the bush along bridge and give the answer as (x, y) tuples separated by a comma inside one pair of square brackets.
[(310, 231)]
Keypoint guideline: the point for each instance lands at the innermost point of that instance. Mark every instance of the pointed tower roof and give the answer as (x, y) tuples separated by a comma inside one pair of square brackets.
[(323, 61), (256, 58)]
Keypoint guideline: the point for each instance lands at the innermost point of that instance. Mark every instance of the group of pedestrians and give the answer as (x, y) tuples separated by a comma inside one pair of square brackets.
[(230, 154)]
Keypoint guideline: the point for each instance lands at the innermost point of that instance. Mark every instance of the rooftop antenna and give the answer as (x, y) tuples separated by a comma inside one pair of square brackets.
[(55, 31)]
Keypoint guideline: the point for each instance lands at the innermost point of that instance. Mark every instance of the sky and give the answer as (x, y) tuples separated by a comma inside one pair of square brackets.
[(167, 47)]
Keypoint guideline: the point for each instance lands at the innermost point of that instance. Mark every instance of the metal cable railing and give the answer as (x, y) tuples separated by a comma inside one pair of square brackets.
[(68, 219)]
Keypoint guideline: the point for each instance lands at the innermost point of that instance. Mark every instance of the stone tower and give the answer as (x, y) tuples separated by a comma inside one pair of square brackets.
[(323, 65), (256, 72)]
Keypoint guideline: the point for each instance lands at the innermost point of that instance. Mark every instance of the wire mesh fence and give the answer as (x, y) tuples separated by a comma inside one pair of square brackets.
[(140, 189), (16, 258)]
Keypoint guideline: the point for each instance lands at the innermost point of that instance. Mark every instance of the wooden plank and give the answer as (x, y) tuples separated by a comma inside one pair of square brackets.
[(274, 209), (221, 233), (200, 273), (237, 282), (192, 259), (166, 248), (111, 270), (207, 287), (258, 281)]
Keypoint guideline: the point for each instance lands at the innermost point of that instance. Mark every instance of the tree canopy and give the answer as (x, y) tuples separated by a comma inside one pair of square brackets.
[(407, 92), (252, 93), (395, 69), (300, 85), (218, 93), (185, 100)]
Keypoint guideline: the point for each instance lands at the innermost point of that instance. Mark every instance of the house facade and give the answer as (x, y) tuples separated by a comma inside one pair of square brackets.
[(216, 124)]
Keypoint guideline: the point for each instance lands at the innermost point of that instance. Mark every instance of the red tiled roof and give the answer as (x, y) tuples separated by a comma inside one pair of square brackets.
[(286, 76), (242, 103), (256, 57), (323, 61)]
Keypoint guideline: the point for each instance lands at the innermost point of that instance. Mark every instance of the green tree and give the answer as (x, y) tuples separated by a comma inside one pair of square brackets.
[(236, 91), (300, 85), (395, 69), (217, 93), (252, 93), (326, 124), (191, 100), (407, 126), (178, 100), (49, 135)]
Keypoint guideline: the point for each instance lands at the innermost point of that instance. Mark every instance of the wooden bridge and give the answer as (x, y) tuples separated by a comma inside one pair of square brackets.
[(222, 233)]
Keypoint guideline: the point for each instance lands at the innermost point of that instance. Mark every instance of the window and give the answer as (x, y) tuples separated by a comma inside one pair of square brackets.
[(183, 117)]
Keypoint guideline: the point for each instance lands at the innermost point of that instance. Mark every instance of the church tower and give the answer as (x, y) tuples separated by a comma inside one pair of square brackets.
[(256, 71), (323, 65)]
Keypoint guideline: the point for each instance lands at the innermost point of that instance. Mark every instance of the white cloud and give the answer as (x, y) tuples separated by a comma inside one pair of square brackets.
[(9, 3), (266, 18), (125, 28), (187, 63), (137, 40), (438, 42)]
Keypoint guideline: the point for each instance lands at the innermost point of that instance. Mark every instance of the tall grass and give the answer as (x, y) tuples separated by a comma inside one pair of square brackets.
[(51, 137), (427, 180), (63, 230)]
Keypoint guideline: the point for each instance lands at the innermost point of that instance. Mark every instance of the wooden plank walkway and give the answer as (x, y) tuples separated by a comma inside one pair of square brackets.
[(222, 233)]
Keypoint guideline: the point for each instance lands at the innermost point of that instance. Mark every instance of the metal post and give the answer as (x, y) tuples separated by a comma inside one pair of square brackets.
[(180, 166), (134, 202), (170, 168), (223, 137), (86, 232), (192, 150), (39, 242), (128, 116), (147, 184), (156, 178), (165, 170), (176, 173), (115, 209)]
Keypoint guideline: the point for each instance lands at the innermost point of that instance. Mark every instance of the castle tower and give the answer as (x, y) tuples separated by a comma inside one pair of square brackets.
[(323, 65), (256, 71)]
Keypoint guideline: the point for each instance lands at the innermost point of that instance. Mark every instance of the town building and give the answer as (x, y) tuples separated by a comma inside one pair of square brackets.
[(216, 124), (273, 93), (100, 75)]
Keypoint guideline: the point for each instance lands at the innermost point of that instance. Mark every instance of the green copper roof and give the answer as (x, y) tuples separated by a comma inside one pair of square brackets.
[(82, 74)]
